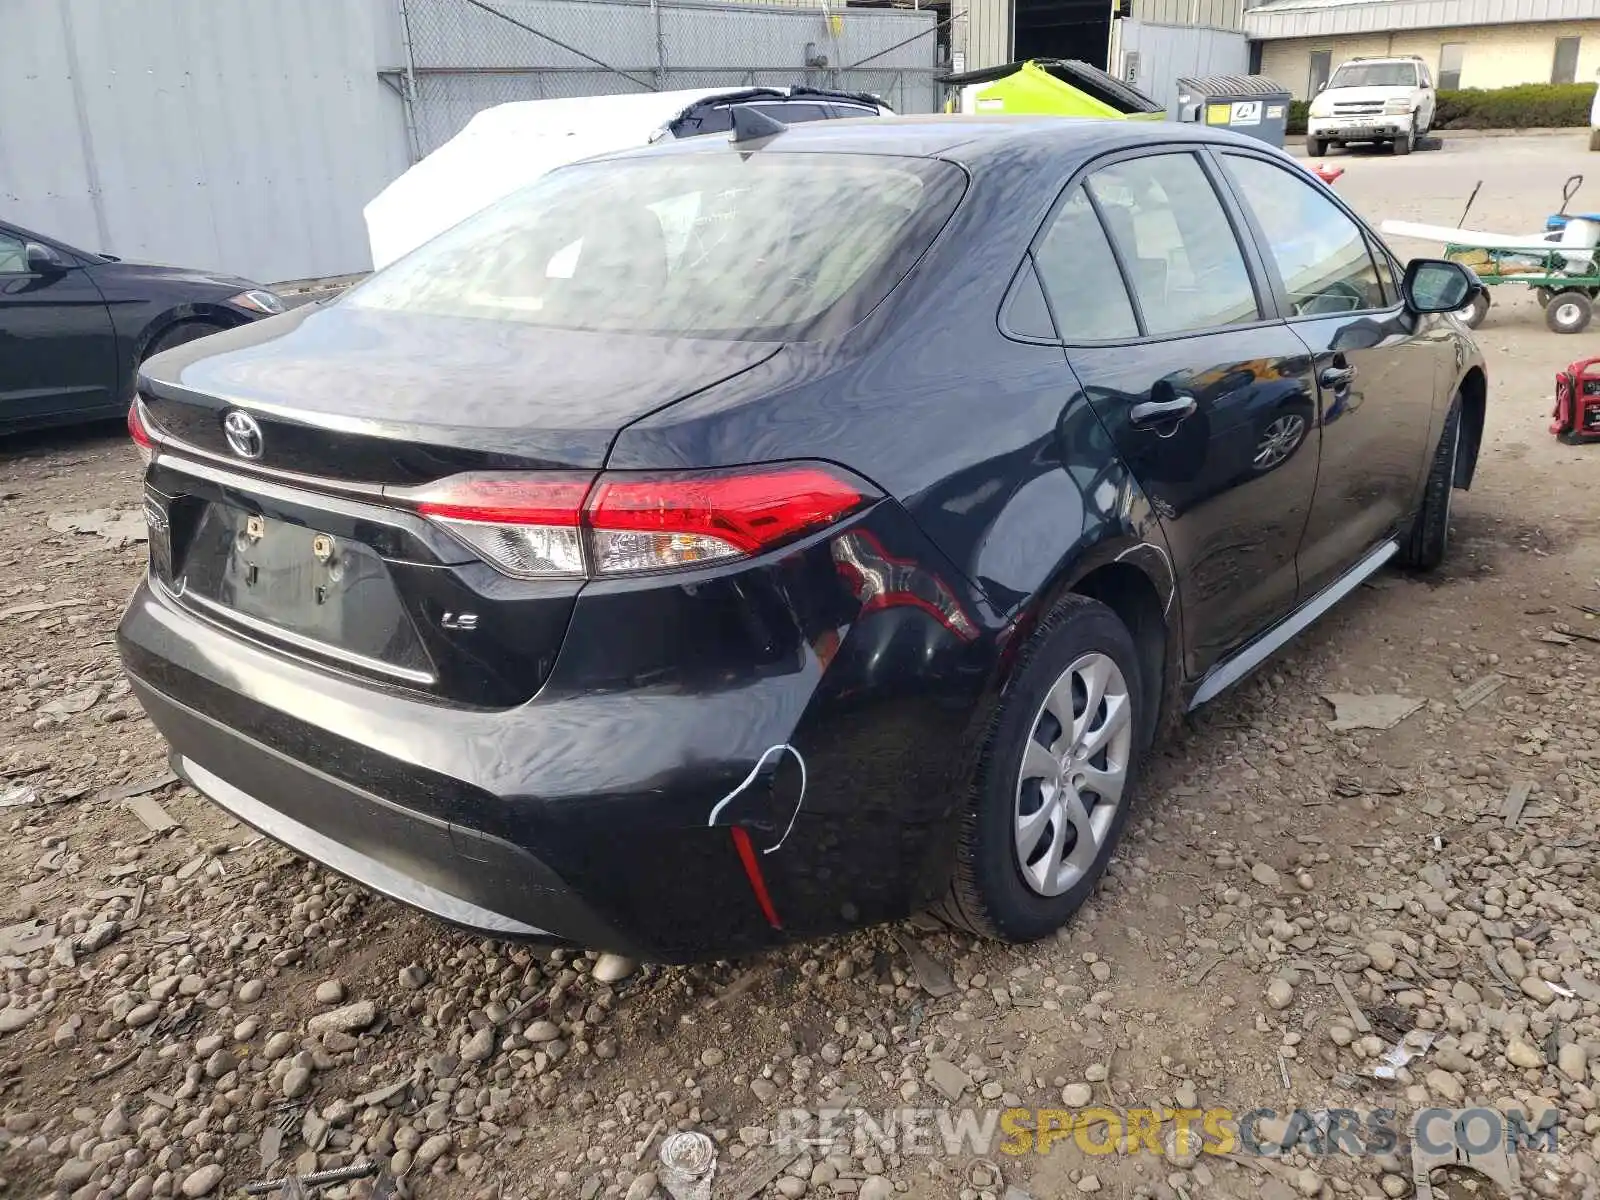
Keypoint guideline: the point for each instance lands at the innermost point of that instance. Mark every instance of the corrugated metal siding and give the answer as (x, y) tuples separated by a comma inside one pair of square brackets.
[(1168, 52), (467, 59), (988, 33), (1216, 14), (1322, 18), (231, 137)]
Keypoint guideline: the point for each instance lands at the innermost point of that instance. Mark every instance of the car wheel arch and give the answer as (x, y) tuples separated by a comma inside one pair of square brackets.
[(1134, 579), (170, 319)]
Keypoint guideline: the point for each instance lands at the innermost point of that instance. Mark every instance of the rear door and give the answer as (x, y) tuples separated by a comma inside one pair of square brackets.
[(1377, 367), (1204, 391), (58, 351)]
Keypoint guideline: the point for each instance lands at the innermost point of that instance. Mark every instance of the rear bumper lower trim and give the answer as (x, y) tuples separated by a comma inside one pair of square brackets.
[(348, 862)]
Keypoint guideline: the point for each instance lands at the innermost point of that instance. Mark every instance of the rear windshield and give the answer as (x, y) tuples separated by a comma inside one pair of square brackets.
[(764, 246), (1375, 75)]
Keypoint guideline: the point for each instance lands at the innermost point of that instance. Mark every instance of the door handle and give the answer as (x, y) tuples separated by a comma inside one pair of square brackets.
[(1162, 412), (1335, 378)]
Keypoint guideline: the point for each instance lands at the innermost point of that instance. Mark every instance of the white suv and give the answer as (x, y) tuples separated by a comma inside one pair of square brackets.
[(1373, 100)]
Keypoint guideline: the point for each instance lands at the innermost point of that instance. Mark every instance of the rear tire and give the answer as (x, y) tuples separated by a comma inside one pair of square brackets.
[(1569, 311), (1424, 547), (1023, 866)]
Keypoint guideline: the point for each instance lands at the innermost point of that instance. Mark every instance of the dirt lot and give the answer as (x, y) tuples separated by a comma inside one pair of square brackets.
[(154, 1035)]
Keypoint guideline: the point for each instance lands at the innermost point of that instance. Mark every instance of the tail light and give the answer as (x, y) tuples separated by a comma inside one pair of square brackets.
[(139, 430), (571, 527)]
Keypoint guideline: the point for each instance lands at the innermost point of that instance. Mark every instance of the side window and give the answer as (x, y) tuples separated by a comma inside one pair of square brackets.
[(1565, 67), (1176, 243), (13, 255), (1321, 254), (1080, 276), (705, 119), (1320, 67), (853, 110), (1451, 57), (1027, 315)]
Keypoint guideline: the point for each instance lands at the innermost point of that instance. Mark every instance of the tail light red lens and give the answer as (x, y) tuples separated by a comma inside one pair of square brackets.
[(673, 521), (550, 527), (139, 431)]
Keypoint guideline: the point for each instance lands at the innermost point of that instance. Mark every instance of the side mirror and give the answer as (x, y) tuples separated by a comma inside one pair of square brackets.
[(1437, 285), (42, 260)]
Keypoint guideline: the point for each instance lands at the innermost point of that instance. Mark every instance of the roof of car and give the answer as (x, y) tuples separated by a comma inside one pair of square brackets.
[(965, 139)]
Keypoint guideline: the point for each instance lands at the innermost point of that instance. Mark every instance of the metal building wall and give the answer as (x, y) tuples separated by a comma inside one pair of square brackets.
[(1329, 18), (226, 136), (1167, 53), (988, 33), (465, 58), (1215, 14)]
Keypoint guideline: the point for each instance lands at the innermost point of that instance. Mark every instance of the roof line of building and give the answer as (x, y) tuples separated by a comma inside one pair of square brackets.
[(1280, 19)]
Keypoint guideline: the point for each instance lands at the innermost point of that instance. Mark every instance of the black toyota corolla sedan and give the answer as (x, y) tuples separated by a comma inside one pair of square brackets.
[(74, 326), (724, 543)]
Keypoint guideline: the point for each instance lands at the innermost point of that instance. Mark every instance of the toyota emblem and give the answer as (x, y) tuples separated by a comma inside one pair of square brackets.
[(243, 434)]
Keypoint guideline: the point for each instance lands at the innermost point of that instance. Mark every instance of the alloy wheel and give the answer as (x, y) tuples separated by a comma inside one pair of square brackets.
[(1074, 773)]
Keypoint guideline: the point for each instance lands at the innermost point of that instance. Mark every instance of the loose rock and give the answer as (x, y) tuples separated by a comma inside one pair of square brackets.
[(202, 1182)]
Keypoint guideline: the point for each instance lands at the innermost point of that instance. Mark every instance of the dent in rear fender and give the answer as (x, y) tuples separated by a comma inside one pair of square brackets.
[(825, 693)]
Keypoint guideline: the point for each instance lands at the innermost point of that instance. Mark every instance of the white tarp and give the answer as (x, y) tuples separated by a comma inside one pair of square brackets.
[(504, 147), (1576, 242)]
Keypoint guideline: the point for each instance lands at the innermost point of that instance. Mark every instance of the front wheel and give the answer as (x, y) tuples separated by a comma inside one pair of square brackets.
[(178, 334), (1054, 781), (1408, 142), (1316, 147), (1424, 547)]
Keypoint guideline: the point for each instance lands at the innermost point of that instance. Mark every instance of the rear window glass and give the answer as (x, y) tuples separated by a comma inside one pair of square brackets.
[(752, 247), (1390, 74)]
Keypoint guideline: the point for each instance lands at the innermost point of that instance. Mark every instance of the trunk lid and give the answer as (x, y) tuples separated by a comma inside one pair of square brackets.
[(309, 548), (386, 398)]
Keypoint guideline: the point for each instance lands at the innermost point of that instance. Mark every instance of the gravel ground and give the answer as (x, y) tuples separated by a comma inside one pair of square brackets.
[(185, 1007)]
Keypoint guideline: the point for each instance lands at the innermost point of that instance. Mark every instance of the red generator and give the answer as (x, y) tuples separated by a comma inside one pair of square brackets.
[(1577, 415)]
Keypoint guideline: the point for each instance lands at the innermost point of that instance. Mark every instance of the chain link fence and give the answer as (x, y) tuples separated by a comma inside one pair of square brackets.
[(465, 55)]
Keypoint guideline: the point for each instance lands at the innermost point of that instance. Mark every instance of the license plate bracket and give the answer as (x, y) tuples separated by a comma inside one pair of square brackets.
[(277, 575)]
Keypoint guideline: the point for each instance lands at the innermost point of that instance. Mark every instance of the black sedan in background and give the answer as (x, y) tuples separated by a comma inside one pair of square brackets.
[(717, 544), (74, 326)]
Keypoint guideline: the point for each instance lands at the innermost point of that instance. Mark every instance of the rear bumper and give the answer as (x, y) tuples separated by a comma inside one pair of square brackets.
[(607, 812), (408, 856)]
